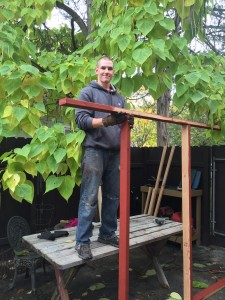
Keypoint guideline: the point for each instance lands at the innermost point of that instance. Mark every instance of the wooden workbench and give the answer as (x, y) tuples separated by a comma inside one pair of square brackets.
[(62, 256), (196, 194)]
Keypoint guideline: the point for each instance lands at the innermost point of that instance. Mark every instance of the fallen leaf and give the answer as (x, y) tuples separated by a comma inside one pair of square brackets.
[(199, 265), (175, 296), (150, 272), (97, 286), (199, 285), (69, 241)]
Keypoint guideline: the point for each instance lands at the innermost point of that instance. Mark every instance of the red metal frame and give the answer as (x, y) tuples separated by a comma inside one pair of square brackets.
[(124, 212), (125, 197)]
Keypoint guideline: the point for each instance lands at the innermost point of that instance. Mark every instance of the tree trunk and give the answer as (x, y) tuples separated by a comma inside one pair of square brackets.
[(163, 104)]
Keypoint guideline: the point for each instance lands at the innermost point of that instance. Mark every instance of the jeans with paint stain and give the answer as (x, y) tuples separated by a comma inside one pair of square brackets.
[(99, 167)]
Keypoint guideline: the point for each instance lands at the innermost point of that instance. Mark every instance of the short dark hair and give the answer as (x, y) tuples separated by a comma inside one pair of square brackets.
[(104, 56)]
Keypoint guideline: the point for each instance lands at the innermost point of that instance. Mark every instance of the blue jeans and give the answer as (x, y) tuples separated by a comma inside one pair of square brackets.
[(99, 167)]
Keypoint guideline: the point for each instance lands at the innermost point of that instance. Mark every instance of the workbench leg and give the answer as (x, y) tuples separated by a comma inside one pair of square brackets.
[(198, 220), (152, 250), (143, 201), (63, 280)]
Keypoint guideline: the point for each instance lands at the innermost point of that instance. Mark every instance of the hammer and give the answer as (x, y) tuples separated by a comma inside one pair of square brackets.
[(160, 221)]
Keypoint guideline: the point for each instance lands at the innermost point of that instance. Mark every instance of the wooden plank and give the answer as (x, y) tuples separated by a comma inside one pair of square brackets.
[(164, 181), (173, 192), (143, 230), (147, 200), (155, 190), (186, 213), (137, 114)]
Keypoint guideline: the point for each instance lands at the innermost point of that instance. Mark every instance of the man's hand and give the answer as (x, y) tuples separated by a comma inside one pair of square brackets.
[(130, 119), (114, 118)]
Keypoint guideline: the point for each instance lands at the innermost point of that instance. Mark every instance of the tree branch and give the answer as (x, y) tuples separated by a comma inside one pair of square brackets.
[(74, 16)]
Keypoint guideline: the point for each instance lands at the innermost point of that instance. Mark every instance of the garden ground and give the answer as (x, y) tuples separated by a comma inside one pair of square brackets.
[(99, 279)]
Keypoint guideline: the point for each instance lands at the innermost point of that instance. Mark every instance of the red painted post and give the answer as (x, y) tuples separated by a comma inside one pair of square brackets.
[(123, 284)]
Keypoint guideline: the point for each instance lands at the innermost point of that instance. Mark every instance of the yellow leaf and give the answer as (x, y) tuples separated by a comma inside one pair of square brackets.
[(25, 103), (7, 112)]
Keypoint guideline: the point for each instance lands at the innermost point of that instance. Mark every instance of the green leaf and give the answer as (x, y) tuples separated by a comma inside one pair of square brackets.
[(47, 83), (4, 69), (36, 149), (151, 8), (30, 168), (145, 25), (34, 119), (32, 90), (167, 80), (127, 86), (197, 96), (67, 86), (196, 265), (193, 78), (189, 2), (152, 82), (204, 75), (51, 162), (25, 191), (181, 88), (53, 182), (175, 296), (141, 55), (11, 85), (14, 167), (66, 188), (40, 106), (59, 154), (19, 113), (52, 146), (30, 69), (97, 286), (43, 134), (180, 101), (123, 42), (158, 47), (23, 151), (167, 24)]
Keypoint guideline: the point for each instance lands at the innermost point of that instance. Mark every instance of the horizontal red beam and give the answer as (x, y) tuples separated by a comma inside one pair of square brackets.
[(138, 114), (209, 291)]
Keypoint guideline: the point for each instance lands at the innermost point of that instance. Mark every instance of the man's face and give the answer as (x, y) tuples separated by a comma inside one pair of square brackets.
[(104, 71)]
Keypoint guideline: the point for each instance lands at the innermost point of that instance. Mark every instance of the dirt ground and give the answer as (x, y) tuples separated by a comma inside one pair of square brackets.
[(98, 280)]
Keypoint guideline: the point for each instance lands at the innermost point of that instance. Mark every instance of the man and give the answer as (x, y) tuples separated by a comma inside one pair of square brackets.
[(100, 165)]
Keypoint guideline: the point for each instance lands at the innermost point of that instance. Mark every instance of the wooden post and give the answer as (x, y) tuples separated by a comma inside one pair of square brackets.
[(123, 285), (164, 181), (125, 191), (186, 213), (155, 190)]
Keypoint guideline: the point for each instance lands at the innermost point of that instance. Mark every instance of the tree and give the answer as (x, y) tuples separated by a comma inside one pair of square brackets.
[(149, 52)]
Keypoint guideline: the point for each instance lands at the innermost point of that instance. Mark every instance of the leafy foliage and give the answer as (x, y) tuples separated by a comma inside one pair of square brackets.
[(150, 52)]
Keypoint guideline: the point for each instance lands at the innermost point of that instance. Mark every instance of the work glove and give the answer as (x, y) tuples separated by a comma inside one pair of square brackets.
[(130, 119), (114, 118), (47, 235)]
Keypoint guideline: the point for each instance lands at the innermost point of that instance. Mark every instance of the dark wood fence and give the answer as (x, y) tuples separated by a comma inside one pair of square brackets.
[(47, 210)]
